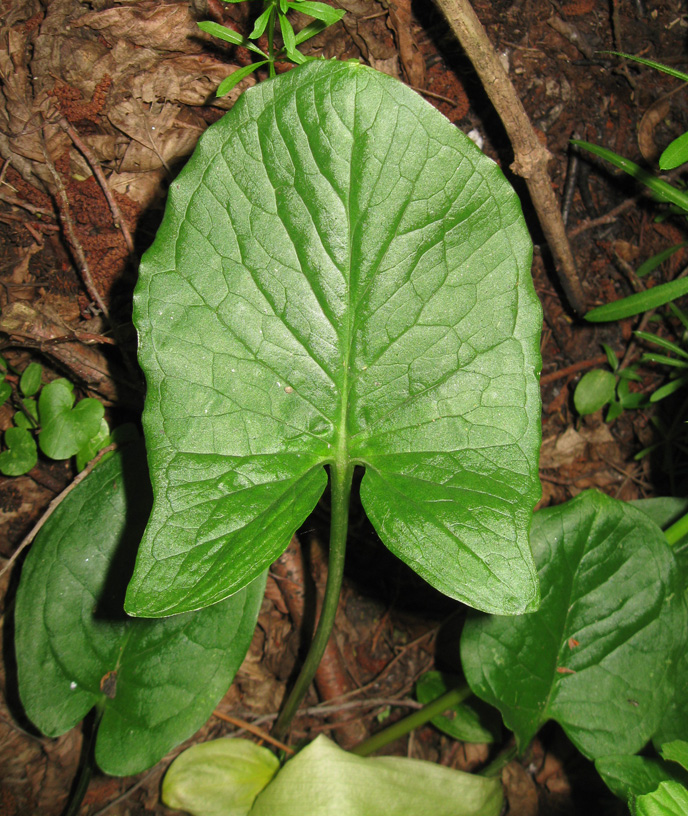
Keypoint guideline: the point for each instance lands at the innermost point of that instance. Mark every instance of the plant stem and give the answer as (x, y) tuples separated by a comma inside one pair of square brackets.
[(272, 20), (86, 763), (500, 762), (340, 491), (448, 700), (677, 530)]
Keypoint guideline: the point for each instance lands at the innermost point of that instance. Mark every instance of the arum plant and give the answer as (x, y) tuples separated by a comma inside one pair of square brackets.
[(341, 280), (274, 15)]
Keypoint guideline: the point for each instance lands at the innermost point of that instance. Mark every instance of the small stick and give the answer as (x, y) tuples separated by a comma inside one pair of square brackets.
[(530, 156), (573, 369), (66, 217), (257, 732), (17, 202), (94, 164), (434, 95), (54, 504)]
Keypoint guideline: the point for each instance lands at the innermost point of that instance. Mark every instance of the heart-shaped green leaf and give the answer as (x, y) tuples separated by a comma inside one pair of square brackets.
[(66, 429), (91, 448), (218, 778), (322, 780), (21, 454), (156, 681), (462, 722), (600, 655), (341, 277)]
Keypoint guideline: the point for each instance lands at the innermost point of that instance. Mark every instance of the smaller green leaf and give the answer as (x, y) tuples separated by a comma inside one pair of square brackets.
[(639, 302), (632, 401), (287, 34), (657, 260), (5, 391), (155, 681), (4, 365), (261, 23), (679, 314), (28, 418), (326, 14), (68, 384), (665, 69), (323, 780), (235, 78), (663, 510), (66, 429), (670, 388), (661, 189), (629, 373), (310, 31), (21, 454), (30, 380), (95, 444), (218, 778), (463, 722), (670, 799), (228, 35), (675, 154), (615, 410), (676, 751), (297, 57), (284, 6), (661, 342), (650, 357), (628, 776), (612, 359), (601, 655), (595, 390)]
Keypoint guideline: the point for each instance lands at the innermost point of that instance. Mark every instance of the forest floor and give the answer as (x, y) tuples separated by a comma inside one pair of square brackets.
[(134, 82)]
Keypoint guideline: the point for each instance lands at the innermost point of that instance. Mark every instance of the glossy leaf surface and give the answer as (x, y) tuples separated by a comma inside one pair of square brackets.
[(66, 429), (341, 276), (158, 681), (600, 656), (322, 779)]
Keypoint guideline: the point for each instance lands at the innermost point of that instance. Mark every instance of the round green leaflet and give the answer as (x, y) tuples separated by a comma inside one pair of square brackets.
[(341, 278)]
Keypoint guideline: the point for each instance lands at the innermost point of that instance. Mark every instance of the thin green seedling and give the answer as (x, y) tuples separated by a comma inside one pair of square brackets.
[(273, 18)]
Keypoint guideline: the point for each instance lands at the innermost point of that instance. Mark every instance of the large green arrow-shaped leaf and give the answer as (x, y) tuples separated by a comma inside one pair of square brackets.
[(601, 654), (340, 277), (156, 682)]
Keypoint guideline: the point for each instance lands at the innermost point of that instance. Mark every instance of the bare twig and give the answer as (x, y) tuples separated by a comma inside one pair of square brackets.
[(257, 732), (581, 365), (66, 218), (52, 507), (17, 202), (530, 156), (94, 164), (434, 95)]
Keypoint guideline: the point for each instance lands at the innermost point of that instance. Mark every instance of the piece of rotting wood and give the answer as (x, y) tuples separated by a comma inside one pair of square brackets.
[(530, 156)]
